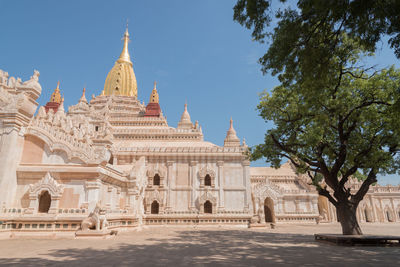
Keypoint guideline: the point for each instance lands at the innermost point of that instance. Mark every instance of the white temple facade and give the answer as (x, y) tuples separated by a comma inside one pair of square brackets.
[(58, 164)]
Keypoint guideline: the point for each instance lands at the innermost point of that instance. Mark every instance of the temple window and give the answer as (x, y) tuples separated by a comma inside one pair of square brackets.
[(96, 128), (155, 207), (156, 179), (44, 202), (207, 180), (207, 207)]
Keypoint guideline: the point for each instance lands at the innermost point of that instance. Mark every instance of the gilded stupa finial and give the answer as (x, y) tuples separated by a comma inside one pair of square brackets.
[(125, 53), (154, 98), (121, 80), (56, 96)]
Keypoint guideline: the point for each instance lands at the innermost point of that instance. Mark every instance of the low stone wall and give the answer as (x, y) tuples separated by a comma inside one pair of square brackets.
[(56, 226), (154, 219)]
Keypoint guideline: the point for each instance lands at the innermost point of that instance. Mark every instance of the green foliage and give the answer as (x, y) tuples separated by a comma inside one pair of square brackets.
[(357, 119), (308, 36), (334, 117)]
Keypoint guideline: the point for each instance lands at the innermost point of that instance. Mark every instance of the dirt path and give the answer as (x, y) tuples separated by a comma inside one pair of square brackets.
[(184, 246)]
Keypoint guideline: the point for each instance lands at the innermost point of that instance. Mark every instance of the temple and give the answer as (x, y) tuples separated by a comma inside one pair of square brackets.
[(59, 165)]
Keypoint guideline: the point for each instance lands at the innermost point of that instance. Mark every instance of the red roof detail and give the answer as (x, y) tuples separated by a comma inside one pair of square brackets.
[(51, 105), (153, 110)]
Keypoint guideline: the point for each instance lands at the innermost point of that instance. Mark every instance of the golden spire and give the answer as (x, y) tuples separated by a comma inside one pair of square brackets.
[(154, 94), (121, 79), (125, 57), (56, 96)]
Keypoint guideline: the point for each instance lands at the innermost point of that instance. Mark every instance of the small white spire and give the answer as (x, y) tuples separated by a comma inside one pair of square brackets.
[(83, 97), (185, 122), (231, 138)]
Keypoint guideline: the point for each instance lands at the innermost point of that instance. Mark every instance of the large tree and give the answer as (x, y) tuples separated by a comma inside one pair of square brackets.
[(334, 117)]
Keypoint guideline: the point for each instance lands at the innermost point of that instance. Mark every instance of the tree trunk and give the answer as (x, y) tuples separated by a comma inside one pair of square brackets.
[(347, 217)]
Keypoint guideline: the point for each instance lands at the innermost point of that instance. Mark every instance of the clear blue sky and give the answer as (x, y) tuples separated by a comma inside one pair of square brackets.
[(193, 49)]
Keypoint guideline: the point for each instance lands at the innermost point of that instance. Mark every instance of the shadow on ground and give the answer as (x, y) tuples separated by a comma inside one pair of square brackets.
[(217, 247)]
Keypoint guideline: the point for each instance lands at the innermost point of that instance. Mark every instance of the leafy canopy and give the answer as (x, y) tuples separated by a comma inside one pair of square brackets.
[(308, 35), (334, 117)]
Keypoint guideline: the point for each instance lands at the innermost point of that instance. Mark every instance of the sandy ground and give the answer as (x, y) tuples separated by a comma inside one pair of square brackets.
[(184, 246)]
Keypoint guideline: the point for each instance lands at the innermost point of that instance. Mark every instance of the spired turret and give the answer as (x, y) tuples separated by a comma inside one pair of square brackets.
[(185, 122), (153, 108), (83, 97), (231, 138), (121, 80), (55, 100)]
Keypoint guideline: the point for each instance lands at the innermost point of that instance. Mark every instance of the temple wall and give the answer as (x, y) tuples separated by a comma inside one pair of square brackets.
[(182, 186), (234, 200), (33, 150), (233, 175)]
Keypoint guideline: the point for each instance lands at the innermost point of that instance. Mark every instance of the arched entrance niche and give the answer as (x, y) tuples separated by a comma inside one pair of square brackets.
[(155, 207), (265, 196), (155, 176), (269, 210), (367, 214), (45, 195), (207, 180), (208, 203), (154, 202), (389, 215), (207, 177), (207, 207), (44, 202), (398, 212), (156, 179)]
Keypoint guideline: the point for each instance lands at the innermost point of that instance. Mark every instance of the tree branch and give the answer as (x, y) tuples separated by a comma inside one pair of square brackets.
[(365, 186)]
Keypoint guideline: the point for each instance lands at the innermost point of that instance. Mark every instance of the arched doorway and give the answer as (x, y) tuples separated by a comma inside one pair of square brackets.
[(207, 207), (389, 216), (156, 179), (207, 180), (155, 207), (269, 210), (44, 202), (367, 215)]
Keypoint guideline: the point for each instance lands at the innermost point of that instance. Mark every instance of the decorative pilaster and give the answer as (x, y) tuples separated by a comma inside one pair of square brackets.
[(131, 198), (314, 202), (246, 183), (296, 203), (109, 198), (373, 208), (220, 165), (93, 193), (280, 206), (193, 165), (170, 183), (395, 218)]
